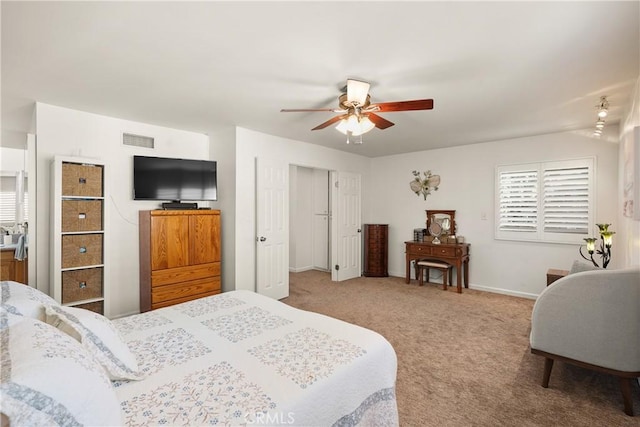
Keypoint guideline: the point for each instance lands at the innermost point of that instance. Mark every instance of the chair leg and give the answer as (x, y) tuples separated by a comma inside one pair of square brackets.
[(548, 365), (420, 277), (625, 388), (444, 279)]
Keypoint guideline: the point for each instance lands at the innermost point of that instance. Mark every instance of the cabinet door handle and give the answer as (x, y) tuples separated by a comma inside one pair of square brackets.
[(83, 249), (82, 285), (82, 180), (262, 238)]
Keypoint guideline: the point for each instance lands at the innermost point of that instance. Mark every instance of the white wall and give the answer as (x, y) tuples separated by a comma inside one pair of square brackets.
[(628, 239), (301, 210), (12, 160), (467, 186), (223, 149), (249, 146), (66, 132)]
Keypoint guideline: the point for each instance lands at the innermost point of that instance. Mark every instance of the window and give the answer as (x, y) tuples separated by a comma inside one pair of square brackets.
[(8, 206), (550, 202)]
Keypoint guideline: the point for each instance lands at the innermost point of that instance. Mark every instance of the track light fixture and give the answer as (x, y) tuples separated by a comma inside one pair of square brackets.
[(603, 111), (603, 107)]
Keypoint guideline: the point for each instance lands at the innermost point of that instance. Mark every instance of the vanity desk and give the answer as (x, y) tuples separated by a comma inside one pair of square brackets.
[(456, 254), (440, 246)]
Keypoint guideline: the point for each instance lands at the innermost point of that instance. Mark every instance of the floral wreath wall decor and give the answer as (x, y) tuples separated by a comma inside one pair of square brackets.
[(424, 185)]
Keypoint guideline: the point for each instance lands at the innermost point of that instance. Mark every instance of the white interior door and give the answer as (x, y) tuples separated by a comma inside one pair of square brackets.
[(272, 216), (347, 226)]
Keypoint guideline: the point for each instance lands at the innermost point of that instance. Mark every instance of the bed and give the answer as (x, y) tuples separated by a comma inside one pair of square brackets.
[(237, 358)]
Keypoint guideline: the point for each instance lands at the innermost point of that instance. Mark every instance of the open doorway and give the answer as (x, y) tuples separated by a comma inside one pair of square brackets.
[(309, 219)]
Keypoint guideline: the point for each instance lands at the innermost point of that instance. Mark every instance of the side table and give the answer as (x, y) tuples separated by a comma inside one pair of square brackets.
[(554, 274)]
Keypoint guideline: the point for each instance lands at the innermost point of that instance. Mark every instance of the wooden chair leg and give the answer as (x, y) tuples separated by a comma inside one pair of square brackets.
[(444, 279), (625, 388), (420, 277), (450, 276), (548, 365)]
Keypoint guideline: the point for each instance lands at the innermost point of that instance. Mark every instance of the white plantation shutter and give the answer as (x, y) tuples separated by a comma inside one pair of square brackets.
[(7, 207), (518, 201), (551, 202), (566, 200), (8, 201)]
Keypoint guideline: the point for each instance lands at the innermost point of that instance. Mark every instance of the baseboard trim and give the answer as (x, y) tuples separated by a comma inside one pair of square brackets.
[(503, 291), (526, 295), (307, 268)]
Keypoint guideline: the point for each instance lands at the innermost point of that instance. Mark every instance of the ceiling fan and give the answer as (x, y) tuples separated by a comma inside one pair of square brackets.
[(357, 115)]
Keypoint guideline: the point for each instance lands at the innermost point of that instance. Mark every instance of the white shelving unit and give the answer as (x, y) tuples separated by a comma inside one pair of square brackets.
[(79, 275)]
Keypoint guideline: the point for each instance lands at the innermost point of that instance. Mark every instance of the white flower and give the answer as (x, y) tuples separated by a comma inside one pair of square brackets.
[(424, 185)]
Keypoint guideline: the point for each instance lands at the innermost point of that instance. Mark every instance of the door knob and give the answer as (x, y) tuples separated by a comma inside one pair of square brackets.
[(262, 238), (359, 230)]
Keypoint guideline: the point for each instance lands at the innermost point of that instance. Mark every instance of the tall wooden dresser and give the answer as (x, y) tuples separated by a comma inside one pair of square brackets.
[(78, 224), (179, 256), (376, 242)]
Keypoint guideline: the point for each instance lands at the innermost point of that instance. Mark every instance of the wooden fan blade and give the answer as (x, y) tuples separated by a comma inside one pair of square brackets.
[(304, 110), (329, 122), (380, 122), (416, 104)]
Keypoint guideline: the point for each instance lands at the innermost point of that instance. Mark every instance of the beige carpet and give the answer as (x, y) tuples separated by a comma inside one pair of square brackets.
[(464, 359)]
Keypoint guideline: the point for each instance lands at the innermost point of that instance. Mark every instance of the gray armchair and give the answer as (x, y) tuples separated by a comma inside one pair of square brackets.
[(591, 319)]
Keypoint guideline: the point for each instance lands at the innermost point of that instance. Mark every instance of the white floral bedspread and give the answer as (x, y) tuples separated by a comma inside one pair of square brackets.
[(239, 358)]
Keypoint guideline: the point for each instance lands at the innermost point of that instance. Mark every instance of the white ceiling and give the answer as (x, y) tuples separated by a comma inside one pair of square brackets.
[(495, 70)]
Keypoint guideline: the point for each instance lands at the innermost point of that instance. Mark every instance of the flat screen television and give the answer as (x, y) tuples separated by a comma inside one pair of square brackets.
[(158, 178)]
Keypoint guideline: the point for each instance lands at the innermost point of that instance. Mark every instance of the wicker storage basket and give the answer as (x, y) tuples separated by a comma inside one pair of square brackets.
[(81, 215), (81, 180), (97, 306), (79, 250), (79, 285)]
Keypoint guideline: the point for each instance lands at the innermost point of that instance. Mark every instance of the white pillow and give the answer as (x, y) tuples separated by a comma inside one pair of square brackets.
[(18, 298), (99, 336), (49, 379), (580, 266)]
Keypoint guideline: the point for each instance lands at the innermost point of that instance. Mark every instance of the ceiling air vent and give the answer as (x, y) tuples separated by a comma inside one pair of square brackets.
[(137, 140)]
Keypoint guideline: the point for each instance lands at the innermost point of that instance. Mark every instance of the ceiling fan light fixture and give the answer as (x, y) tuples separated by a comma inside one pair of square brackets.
[(357, 92), (354, 139), (355, 125)]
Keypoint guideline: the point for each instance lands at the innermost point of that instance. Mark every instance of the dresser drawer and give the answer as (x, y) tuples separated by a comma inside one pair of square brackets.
[(180, 274), (419, 249), (78, 285), (79, 250), (81, 215), (192, 288), (81, 180), (443, 251)]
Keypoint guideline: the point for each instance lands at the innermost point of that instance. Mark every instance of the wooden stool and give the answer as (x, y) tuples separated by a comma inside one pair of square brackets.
[(423, 266)]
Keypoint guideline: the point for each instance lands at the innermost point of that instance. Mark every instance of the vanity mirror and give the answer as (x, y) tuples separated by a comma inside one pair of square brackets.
[(441, 223)]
